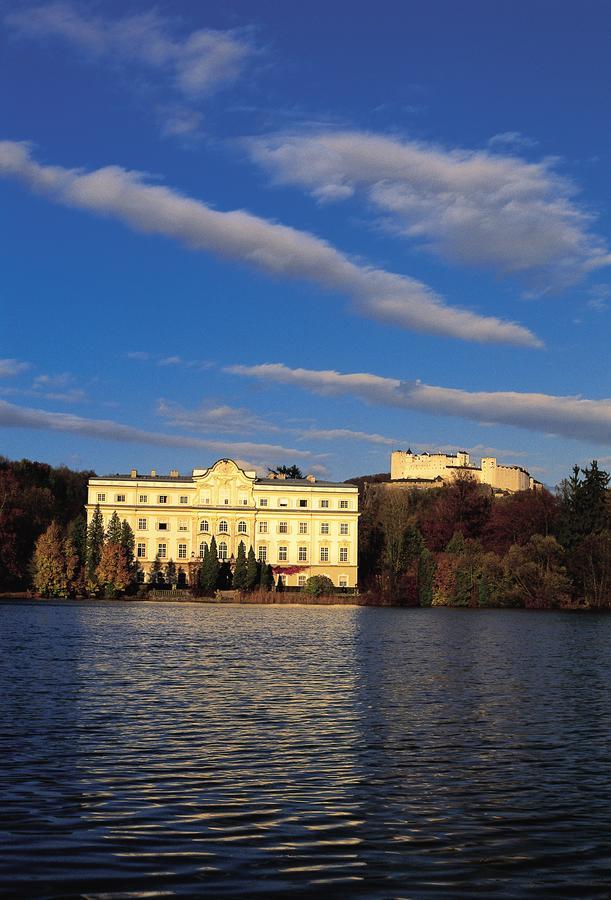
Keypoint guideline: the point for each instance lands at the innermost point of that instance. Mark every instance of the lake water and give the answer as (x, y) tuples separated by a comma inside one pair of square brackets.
[(158, 749)]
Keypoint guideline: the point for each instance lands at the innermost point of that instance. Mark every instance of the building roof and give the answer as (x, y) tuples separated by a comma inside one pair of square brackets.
[(188, 479)]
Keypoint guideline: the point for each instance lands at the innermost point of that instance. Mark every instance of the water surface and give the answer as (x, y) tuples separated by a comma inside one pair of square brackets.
[(158, 749)]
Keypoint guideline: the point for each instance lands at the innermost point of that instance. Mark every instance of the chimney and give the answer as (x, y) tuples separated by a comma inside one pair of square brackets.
[(174, 473), (311, 479), (153, 473), (133, 473)]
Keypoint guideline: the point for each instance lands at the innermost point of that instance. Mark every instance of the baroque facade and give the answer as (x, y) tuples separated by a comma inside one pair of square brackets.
[(302, 527), (429, 469)]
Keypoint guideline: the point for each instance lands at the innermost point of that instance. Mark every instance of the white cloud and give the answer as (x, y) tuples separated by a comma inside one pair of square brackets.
[(190, 65), (471, 207), (275, 249), (222, 418), (11, 367), (335, 434), (12, 416), (512, 139), (573, 417)]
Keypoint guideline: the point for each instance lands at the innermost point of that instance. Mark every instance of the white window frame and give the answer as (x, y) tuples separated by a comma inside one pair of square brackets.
[(303, 528), (242, 527), (283, 527), (343, 554), (120, 498), (223, 551), (344, 504), (162, 551), (303, 554), (204, 526), (263, 527), (162, 498), (324, 528), (283, 553), (143, 498), (184, 499), (101, 498), (141, 550), (262, 553), (324, 504), (183, 525), (182, 551), (142, 525), (343, 528), (324, 554), (223, 527), (263, 501)]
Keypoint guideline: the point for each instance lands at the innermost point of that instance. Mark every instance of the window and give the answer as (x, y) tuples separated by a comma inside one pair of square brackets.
[(343, 554), (283, 554), (301, 581), (303, 503), (283, 502), (344, 504), (244, 501), (224, 526), (343, 528), (324, 504), (343, 581), (141, 524), (202, 548), (162, 550), (262, 553), (141, 550), (163, 498), (182, 551), (101, 498), (226, 501), (283, 527), (223, 550), (303, 528), (324, 554), (162, 526), (184, 499), (183, 526), (120, 498), (263, 501), (324, 528), (203, 525), (241, 527), (303, 554), (143, 498), (262, 527)]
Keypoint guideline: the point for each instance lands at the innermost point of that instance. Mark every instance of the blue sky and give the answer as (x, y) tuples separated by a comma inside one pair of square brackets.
[(306, 233)]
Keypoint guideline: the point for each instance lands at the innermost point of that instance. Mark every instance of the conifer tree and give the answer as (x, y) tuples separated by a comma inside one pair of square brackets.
[(224, 580), (156, 571), (252, 570), (95, 542), (113, 532), (240, 573), (112, 572), (267, 577), (54, 563), (170, 572), (128, 545), (426, 575), (210, 568)]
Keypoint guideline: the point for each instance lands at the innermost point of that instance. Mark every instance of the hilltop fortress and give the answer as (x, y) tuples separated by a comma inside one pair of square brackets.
[(433, 469)]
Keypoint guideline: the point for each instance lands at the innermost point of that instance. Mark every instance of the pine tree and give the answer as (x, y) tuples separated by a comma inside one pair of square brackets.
[(210, 568), (156, 571), (267, 577), (113, 532), (95, 542), (170, 572), (128, 545), (252, 570), (240, 573), (224, 580)]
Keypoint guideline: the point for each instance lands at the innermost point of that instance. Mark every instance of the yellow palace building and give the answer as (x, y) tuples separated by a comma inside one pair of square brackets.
[(301, 526)]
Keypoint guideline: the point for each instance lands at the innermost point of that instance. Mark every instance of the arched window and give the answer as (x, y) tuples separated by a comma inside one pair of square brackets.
[(222, 550), (202, 548), (203, 525), (223, 526), (241, 527)]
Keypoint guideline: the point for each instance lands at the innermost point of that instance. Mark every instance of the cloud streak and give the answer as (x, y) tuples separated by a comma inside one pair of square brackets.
[(12, 416), (475, 208), (274, 249), (572, 417), (11, 367), (191, 65)]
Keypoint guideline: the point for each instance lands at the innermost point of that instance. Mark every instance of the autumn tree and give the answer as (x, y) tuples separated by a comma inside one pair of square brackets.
[(54, 564), (112, 572), (536, 575)]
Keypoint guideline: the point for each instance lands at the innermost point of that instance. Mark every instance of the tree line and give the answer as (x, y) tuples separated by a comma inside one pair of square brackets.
[(458, 545)]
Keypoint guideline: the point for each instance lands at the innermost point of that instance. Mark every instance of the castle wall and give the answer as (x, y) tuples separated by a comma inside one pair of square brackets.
[(427, 468)]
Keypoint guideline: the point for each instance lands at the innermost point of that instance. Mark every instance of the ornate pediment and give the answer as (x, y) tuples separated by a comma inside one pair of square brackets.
[(224, 484)]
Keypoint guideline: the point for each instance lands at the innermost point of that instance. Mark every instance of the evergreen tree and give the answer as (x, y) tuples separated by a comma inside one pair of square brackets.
[(252, 570), (210, 568), (95, 542), (170, 572), (280, 585), (77, 533), (202, 567), (156, 573), (224, 580), (128, 545), (113, 532), (267, 577), (240, 573)]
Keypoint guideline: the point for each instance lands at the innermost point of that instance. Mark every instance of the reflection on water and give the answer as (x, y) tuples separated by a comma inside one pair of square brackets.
[(184, 749)]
